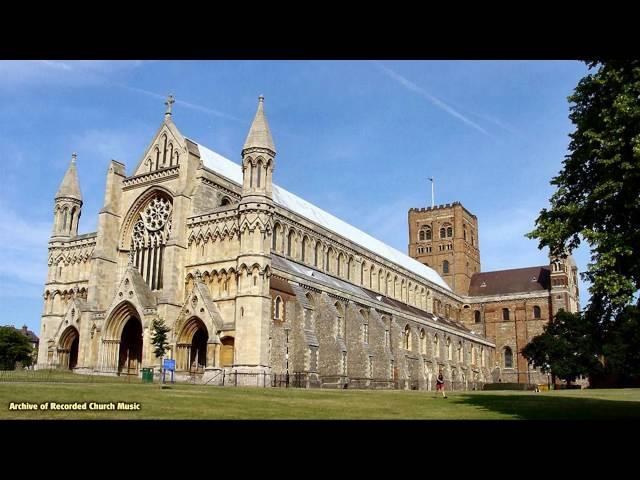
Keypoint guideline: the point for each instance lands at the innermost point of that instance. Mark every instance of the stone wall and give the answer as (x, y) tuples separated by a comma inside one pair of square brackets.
[(514, 333), (317, 342)]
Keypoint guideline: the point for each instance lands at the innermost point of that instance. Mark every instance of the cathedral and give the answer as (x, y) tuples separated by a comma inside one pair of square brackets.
[(508, 307), (257, 284)]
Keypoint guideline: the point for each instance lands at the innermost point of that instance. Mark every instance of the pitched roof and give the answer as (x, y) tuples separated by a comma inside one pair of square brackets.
[(280, 285), (140, 287), (70, 186), (231, 170), (201, 289), (517, 280), (320, 277)]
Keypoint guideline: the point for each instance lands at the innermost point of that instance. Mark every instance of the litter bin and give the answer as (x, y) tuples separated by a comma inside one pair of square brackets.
[(147, 375)]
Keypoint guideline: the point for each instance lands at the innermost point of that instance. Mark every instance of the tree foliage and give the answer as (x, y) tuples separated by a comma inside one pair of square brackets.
[(598, 190), (574, 344), (159, 338), (621, 346), (14, 347), (567, 348)]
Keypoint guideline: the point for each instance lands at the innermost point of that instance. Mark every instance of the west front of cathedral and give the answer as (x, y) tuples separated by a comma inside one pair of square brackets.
[(255, 282)]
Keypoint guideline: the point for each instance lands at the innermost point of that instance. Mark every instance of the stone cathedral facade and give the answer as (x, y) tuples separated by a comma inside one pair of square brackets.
[(252, 280)]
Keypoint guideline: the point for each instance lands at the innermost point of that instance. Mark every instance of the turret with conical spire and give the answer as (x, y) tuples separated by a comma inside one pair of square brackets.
[(259, 134), (255, 218), (68, 204), (258, 156), (70, 186)]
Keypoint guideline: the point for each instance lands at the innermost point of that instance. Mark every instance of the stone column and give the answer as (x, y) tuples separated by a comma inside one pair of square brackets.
[(211, 350)]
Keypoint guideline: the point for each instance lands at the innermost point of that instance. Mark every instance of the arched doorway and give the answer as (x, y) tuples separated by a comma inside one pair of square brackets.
[(68, 349), (130, 347), (226, 351), (199, 350), (73, 353), (191, 353)]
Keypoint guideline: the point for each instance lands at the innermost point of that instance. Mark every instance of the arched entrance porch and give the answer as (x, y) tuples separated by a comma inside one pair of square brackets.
[(68, 348), (130, 358), (192, 351), (122, 342)]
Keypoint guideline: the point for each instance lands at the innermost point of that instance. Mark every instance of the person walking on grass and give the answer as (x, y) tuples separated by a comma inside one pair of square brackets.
[(440, 384)]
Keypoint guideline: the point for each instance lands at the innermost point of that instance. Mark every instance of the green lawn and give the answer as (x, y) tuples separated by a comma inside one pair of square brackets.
[(198, 402)]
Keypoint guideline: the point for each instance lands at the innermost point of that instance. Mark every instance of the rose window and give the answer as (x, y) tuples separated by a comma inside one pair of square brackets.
[(156, 214)]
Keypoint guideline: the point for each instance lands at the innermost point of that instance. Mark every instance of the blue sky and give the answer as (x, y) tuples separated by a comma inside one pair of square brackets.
[(357, 138)]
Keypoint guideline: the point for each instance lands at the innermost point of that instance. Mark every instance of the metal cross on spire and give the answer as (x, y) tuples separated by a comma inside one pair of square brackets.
[(170, 101)]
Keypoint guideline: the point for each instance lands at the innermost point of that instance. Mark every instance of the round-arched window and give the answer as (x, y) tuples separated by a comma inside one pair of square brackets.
[(508, 357)]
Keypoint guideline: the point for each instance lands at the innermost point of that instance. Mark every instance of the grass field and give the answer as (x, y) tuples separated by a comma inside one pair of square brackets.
[(198, 402)]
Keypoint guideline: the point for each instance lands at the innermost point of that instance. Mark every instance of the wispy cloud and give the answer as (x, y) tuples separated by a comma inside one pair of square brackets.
[(84, 73), (122, 145), (11, 290), (499, 123), (18, 74), (495, 230), (409, 85), (190, 105), (23, 257), (56, 64), (385, 222)]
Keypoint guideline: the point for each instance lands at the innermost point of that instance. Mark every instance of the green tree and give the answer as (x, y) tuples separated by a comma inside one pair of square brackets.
[(621, 347), (598, 190), (567, 348), (14, 347), (159, 338)]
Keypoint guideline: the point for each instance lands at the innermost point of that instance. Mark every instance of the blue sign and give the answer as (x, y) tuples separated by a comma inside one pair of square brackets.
[(169, 364)]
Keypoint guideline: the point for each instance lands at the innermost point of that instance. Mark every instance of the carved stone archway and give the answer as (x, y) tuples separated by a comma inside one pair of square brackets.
[(130, 353), (122, 342), (193, 351), (68, 348)]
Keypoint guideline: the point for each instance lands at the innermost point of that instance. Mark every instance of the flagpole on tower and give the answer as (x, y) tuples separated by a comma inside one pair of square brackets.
[(432, 195)]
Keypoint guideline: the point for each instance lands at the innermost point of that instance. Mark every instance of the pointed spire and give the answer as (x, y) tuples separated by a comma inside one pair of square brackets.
[(70, 186), (259, 133), (169, 103)]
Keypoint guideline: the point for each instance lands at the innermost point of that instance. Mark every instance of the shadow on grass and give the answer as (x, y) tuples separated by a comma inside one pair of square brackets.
[(547, 407)]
